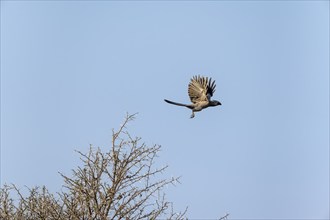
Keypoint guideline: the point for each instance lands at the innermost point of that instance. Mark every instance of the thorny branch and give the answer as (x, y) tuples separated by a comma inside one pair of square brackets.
[(120, 183)]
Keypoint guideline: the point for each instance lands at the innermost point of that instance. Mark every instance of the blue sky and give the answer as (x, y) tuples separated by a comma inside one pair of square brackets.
[(71, 70)]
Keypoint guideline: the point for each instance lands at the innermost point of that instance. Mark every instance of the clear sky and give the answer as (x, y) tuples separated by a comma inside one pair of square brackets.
[(71, 70)]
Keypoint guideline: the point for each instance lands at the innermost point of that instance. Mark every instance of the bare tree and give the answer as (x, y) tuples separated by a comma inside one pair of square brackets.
[(120, 183)]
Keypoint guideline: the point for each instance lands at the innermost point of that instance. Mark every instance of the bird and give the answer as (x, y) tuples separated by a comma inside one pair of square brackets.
[(200, 91)]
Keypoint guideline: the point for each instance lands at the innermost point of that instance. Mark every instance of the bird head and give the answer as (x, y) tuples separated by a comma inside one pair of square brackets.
[(214, 103)]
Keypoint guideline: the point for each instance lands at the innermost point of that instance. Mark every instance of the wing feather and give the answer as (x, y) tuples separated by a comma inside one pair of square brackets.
[(201, 89)]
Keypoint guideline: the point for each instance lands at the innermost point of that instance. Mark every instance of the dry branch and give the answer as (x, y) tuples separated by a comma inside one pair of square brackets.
[(120, 183)]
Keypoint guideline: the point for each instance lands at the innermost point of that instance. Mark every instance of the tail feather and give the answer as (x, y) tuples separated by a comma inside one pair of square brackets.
[(179, 104)]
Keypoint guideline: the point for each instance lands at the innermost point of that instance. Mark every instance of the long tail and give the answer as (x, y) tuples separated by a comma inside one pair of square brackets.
[(179, 104)]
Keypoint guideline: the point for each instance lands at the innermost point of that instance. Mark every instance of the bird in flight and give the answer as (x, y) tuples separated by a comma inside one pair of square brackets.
[(200, 90)]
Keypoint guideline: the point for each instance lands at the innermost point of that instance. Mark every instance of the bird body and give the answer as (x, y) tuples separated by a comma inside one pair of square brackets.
[(200, 91)]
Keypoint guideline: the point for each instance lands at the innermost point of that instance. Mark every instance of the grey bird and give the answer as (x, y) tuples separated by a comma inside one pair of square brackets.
[(200, 90)]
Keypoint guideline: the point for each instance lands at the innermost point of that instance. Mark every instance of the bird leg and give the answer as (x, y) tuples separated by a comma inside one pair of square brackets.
[(192, 115)]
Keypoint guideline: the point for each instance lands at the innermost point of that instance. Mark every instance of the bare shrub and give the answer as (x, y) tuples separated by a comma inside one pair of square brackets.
[(120, 183)]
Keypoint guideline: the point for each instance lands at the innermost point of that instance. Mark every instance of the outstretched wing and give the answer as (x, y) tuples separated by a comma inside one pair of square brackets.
[(201, 89)]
